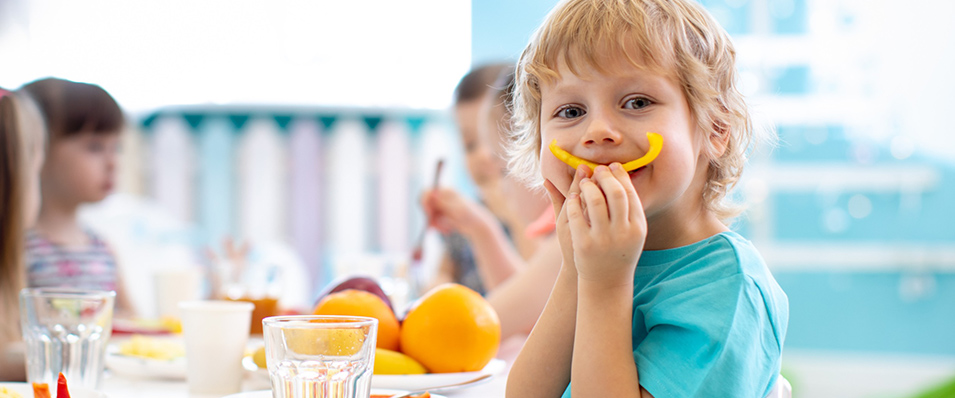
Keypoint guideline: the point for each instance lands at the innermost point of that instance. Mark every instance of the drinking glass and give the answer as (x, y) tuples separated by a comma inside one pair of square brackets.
[(66, 330), (320, 356)]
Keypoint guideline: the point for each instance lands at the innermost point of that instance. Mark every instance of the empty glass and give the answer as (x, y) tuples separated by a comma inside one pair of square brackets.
[(66, 330)]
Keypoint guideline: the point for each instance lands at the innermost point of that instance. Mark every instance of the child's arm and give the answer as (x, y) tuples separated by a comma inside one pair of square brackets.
[(495, 256), (124, 306), (13, 365), (508, 212), (520, 300), (608, 239), (543, 368)]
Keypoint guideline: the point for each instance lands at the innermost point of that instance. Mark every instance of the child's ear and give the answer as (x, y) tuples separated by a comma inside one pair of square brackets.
[(719, 138)]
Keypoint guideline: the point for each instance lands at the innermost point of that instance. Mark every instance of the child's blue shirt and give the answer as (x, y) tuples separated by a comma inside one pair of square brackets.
[(709, 320)]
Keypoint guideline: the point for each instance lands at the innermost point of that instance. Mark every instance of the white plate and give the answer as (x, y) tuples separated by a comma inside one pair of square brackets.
[(431, 380), (268, 393), (125, 365), (140, 367), (26, 389)]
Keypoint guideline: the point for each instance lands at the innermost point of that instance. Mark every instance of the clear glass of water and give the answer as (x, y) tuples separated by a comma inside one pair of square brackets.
[(66, 330), (311, 356)]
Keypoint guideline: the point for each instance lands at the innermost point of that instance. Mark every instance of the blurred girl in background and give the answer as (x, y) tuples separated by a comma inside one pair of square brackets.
[(84, 124)]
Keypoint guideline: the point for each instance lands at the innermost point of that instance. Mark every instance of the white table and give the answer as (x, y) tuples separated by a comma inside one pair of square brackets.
[(116, 386), (123, 387)]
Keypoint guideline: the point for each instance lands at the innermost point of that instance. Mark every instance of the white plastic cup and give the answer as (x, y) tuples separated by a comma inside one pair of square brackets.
[(174, 286), (216, 334)]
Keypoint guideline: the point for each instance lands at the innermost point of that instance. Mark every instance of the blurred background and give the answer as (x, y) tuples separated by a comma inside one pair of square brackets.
[(308, 128)]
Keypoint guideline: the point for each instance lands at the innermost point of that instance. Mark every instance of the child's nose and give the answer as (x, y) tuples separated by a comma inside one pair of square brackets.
[(601, 131)]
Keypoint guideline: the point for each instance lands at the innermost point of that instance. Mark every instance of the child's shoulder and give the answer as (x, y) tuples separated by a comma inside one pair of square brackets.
[(723, 253), (727, 261)]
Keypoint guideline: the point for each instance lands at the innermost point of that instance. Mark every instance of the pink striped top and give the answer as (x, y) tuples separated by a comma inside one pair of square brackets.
[(52, 265)]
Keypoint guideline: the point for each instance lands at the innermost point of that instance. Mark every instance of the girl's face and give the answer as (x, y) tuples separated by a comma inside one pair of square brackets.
[(80, 168), (604, 117), (504, 194), (477, 158)]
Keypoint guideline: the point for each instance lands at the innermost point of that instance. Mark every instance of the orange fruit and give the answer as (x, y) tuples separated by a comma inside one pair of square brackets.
[(451, 329), (361, 303)]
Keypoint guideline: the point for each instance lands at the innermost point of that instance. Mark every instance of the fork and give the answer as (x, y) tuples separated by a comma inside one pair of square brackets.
[(472, 382)]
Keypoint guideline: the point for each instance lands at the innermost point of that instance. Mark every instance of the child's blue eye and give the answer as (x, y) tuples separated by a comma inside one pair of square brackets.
[(570, 112), (637, 103)]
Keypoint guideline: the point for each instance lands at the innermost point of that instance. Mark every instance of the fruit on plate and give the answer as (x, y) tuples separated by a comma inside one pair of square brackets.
[(62, 389), (451, 329), (656, 144), (362, 303), (388, 362), (41, 390), (357, 283), (152, 348), (258, 357)]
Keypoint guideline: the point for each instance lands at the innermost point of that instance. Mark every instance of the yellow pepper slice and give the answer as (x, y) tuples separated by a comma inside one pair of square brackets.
[(656, 144)]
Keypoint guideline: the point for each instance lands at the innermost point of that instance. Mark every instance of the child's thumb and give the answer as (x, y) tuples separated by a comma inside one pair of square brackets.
[(556, 198)]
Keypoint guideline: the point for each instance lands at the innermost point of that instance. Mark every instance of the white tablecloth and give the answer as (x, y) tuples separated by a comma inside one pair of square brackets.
[(116, 386), (125, 387)]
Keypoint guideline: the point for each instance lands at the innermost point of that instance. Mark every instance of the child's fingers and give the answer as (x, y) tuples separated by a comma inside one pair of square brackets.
[(593, 199), (575, 214), (615, 193), (628, 192), (581, 173), (556, 198)]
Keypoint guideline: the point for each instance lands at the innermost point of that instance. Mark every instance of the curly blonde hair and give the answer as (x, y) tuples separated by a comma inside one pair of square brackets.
[(677, 38)]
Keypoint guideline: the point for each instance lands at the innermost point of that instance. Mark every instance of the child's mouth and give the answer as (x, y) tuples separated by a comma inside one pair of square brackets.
[(656, 144)]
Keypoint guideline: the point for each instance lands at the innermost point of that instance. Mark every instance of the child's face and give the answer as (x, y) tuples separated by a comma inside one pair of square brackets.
[(605, 117), (81, 167), (477, 158), (503, 193)]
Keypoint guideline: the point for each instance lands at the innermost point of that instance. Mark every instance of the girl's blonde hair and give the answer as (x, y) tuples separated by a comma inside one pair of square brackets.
[(12, 193), (22, 136), (677, 38)]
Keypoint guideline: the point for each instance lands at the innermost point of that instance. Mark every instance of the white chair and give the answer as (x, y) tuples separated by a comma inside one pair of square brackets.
[(782, 389)]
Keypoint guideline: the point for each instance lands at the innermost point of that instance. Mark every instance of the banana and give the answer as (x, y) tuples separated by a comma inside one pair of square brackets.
[(389, 362), (656, 144)]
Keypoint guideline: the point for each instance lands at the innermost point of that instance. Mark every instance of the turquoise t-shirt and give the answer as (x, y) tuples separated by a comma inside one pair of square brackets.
[(709, 320)]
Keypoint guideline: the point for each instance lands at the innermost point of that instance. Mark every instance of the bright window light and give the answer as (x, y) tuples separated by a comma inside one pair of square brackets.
[(377, 53)]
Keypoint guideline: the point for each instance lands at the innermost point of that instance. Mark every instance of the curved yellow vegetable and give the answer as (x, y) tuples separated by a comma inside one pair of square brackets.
[(656, 144)]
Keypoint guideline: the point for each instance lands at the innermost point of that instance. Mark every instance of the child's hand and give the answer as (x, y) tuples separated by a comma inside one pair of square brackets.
[(562, 223), (450, 211), (607, 226)]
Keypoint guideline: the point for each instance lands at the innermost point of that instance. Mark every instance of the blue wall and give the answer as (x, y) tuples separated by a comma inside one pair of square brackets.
[(830, 310), (501, 28)]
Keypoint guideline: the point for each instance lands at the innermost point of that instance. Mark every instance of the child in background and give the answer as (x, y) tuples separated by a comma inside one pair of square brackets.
[(656, 296), (459, 263), (84, 124), (21, 157), (519, 296)]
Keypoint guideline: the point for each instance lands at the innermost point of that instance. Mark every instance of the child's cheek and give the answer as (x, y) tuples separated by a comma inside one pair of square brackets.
[(557, 172)]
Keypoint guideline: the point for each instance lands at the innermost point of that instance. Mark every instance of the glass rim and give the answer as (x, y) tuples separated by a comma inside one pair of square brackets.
[(306, 321), (66, 292)]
